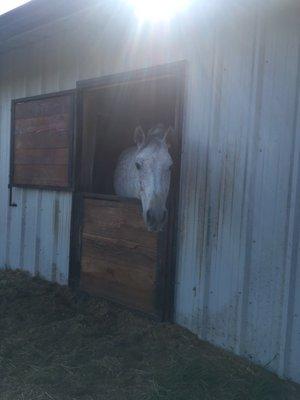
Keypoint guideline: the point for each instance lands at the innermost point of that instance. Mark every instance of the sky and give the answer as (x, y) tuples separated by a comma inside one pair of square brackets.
[(7, 5)]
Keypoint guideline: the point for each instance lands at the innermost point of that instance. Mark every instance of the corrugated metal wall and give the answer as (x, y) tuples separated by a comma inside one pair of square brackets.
[(239, 233), (35, 234)]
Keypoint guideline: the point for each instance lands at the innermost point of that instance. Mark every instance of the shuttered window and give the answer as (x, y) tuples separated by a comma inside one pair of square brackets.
[(42, 141)]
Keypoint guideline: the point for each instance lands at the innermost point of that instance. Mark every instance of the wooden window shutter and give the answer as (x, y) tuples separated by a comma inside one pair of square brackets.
[(42, 136)]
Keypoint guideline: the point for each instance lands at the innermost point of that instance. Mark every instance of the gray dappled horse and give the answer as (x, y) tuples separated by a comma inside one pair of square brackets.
[(143, 172)]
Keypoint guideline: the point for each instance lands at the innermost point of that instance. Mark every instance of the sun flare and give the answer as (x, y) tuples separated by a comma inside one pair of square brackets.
[(9, 5), (158, 10)]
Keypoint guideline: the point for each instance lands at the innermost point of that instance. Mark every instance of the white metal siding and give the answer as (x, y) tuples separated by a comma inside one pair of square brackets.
[(238, 274), (34, 235)]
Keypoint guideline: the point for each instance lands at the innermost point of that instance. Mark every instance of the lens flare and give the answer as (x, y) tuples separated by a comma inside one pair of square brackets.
[(158, 10)]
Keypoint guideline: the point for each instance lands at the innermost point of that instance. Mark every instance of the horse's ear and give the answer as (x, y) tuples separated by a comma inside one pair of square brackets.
[(139, 137), (169, 131)]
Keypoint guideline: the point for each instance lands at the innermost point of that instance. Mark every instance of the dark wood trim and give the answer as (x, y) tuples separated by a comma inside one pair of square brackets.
[(44, 96), (77, 200), (78, 136), (14, 102), (75, 240), (110, 197), (12, 145), (167, 249), (42, 187), (72, 142), (172, 233), (155, 72)]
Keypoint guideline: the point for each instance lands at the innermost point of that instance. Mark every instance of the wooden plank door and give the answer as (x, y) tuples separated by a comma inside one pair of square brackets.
[(42, 135), (118, 254)]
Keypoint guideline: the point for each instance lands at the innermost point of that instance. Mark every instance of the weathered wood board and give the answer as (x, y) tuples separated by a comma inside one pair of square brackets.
[(118, 254), (42, 141)]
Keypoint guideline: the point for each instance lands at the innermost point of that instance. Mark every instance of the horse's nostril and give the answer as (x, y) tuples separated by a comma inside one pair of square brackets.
[(150, 217), (154, 221)]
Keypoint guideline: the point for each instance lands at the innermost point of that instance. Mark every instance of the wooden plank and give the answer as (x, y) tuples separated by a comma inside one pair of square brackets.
[(45, 175), (44, 140), (57, 156), (117, 220), (42, 156), (41, 152), (53, 123), (137, 299), (119, 255), (119, 270), (43, 107), (123, 254)]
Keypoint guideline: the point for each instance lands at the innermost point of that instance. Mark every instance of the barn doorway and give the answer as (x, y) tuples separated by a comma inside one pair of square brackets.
[(113, 255)]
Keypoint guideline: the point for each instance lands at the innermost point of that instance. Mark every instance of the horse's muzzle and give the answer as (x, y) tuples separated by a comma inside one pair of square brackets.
[(155, 221)]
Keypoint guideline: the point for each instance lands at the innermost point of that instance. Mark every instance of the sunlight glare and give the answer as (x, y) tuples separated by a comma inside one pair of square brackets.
[(158, 10), (8, 5)]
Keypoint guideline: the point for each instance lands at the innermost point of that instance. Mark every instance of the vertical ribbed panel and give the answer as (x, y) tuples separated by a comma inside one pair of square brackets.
[(36, 233), (238, 270), (238, 275)]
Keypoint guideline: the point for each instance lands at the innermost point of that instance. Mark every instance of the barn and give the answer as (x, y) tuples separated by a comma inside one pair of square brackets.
[(75, 79)]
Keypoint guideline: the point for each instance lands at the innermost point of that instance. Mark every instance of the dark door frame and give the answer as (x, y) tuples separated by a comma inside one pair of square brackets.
[(167, 241)]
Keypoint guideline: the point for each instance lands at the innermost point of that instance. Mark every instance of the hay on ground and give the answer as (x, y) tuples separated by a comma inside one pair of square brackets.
[(57, 345)]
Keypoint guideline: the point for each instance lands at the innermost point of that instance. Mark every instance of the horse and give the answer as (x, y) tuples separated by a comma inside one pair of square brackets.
[(143, 172)]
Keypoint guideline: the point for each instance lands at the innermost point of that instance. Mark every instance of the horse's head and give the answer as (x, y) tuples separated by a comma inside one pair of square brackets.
[(153, 163)]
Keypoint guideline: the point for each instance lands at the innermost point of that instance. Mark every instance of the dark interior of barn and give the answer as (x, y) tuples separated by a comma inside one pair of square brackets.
[(110, 116)]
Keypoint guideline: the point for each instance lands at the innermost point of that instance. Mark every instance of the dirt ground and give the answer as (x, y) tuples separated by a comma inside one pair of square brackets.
[(57, 345)]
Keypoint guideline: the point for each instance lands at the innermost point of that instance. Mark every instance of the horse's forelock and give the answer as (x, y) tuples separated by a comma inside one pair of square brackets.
[(157, 133)]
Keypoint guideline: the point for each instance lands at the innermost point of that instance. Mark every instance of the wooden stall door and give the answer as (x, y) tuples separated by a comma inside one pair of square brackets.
[(118, 254)]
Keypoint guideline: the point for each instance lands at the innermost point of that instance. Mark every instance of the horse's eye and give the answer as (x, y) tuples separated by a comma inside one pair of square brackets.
[(138, 165)]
